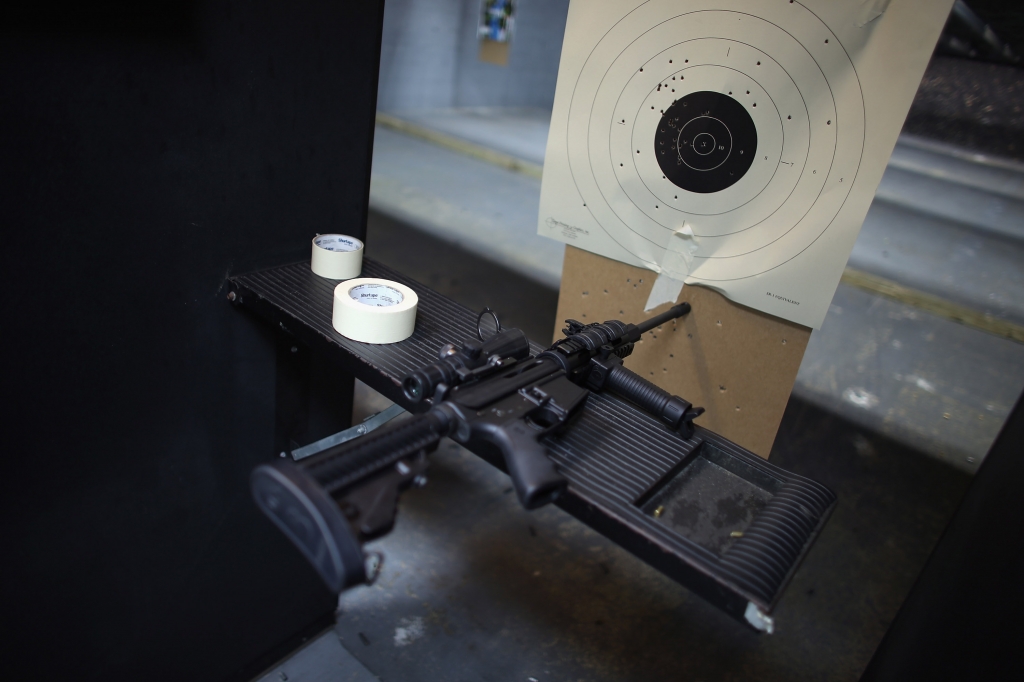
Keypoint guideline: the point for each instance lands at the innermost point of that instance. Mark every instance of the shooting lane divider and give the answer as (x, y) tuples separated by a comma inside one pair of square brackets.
[(337, 256), (374, 310)]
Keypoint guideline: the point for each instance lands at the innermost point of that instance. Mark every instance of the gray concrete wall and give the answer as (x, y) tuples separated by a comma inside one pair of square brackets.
[(418, 54), (529, 78), (429, 56)]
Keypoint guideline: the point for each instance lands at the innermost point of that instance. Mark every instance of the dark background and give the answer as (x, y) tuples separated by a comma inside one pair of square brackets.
[(147, 151)]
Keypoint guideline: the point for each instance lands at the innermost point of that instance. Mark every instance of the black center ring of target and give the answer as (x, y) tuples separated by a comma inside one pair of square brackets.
[(705, 142)]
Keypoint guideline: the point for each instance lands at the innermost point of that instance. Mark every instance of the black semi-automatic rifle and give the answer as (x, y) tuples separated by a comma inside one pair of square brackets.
[(486, 391)]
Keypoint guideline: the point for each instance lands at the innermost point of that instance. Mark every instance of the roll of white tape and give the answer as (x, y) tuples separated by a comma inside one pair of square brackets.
[(374, 310), (337, 256)]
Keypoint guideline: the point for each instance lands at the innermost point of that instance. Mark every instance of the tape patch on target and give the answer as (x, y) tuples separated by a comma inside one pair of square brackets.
[(733, 144)]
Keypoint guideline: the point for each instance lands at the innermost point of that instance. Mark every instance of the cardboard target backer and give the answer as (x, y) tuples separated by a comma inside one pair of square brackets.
[(736, 363), (734, 144)]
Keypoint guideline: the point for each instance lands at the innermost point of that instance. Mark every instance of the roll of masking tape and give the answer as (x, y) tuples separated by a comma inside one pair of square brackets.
[(337, 256), (374, 310)]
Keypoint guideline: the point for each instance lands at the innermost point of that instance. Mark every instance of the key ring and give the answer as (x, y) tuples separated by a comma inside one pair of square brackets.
[(479, 319)]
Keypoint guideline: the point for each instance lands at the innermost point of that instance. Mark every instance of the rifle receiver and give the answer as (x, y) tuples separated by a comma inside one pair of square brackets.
[(458, 363)]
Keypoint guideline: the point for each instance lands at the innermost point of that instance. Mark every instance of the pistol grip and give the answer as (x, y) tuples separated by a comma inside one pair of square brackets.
[(534, 476)]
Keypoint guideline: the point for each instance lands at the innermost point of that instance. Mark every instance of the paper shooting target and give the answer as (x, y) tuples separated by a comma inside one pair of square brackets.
[(747, 129)]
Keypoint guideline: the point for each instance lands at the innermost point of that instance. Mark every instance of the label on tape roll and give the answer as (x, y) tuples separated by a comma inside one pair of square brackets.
[(337, 256), (380, 295), (374, 310)]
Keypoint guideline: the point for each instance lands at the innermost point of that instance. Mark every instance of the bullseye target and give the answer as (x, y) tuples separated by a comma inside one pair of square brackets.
[(705, 142), (748, 130)]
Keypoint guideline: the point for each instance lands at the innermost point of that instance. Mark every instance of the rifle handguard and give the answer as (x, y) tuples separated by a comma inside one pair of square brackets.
[(677, 413)]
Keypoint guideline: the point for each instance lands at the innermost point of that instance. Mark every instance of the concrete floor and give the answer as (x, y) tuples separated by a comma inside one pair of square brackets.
[(475, 588), (519, 132), (489, 210)]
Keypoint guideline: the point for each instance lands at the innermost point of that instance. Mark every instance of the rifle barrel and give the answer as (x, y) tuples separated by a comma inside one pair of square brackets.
[(670, 314)]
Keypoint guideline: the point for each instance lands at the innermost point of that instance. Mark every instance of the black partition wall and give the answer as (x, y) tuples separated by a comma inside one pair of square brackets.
[(147, 152)]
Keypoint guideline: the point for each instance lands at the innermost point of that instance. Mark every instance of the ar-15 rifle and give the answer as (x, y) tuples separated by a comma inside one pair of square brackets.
[(491, 391)]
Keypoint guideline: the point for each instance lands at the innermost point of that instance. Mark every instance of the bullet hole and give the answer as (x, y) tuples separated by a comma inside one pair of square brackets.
[(828, 123), (759, 63), (789, 118)]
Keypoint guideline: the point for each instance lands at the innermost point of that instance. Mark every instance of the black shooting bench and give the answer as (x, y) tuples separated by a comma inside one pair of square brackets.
[(615, 456)]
